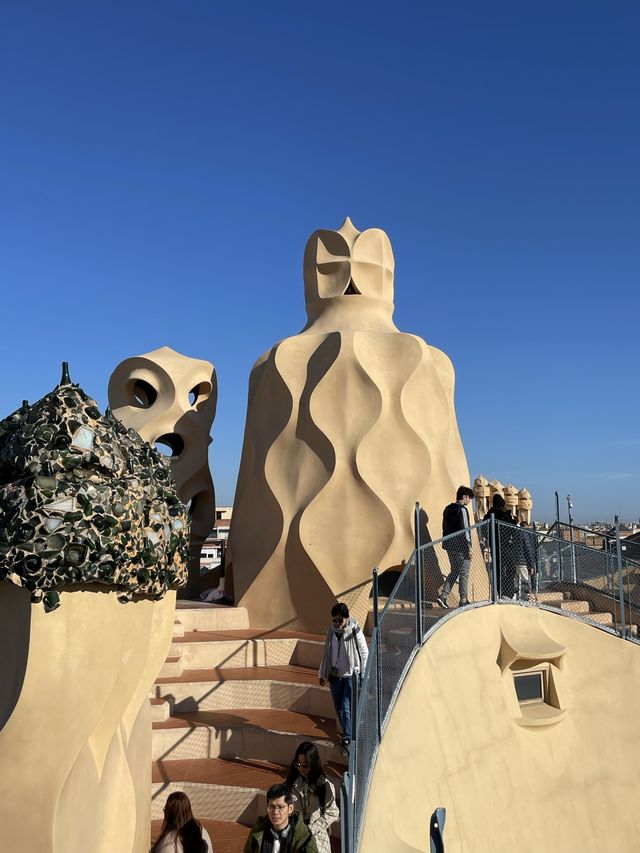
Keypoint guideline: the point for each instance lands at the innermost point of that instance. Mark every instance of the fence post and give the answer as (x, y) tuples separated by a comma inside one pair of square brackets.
[(353, 756), (418, 577), (611, 578), (345, 823), (623, 621), (535, 580), (376, 630), (494, 559), (560, 572), (574, 572)]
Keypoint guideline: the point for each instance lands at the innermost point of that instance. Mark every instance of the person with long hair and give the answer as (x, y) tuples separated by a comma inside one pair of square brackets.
[(316, 796), (181, 832)]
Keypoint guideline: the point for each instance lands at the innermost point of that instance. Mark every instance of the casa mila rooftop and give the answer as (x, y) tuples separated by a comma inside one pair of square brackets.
[(497, 712)]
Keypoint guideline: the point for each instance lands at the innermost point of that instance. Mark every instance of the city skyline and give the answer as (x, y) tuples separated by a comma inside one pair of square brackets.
[(165, 165)]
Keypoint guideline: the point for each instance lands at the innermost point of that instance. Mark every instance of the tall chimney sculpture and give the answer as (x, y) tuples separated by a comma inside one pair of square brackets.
[(348, 424)]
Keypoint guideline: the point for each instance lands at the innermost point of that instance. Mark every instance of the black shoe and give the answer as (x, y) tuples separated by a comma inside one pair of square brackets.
[(345, 743), (442, 601), (463, 604)]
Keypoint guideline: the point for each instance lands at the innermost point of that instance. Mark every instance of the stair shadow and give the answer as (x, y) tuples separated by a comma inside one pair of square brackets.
[(250, 655)]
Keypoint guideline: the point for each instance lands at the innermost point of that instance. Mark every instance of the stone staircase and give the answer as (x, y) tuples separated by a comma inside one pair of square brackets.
[(571, 603), (231, 704), (400, 617), (229, 707)]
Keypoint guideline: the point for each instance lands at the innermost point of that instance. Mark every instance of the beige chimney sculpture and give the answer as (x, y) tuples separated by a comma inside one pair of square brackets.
[(348, 424), (481, 492), (511, 499), (518, 502), (495, 488), (525, 505), (170, 400)]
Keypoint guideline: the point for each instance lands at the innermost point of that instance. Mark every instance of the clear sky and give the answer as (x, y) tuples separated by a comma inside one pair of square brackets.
[(163, 164)]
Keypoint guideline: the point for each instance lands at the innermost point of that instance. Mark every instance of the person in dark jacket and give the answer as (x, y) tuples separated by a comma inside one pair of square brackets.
[(526, 560), (505, 546), (281, 830), (455, 519)]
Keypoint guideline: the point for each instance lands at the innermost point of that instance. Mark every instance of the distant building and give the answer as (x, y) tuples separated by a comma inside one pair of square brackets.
[(213, 548), (630, 546), (222, 522)]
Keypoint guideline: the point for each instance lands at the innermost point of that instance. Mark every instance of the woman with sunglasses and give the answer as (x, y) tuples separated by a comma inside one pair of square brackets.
[(316, 796)]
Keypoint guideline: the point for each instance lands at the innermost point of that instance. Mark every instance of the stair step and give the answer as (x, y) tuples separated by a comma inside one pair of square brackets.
[(244, 647), (218, 789), (601, 618), (292, 688), (201, 616), (549, 597), (172, 667), (574, 606), (263, 734), (308, 653), (160, 710), (178, 628)]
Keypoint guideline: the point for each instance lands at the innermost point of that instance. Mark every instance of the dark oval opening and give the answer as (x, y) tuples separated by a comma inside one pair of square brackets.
[(199, 393), (144, 394), (170, 444)]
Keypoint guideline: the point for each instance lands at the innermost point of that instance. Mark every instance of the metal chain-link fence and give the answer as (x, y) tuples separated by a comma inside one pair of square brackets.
[(491, 562), (456, 571)]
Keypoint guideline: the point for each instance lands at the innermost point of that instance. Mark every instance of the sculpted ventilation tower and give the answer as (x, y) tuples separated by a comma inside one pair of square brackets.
[(348, 424), (170, 399)]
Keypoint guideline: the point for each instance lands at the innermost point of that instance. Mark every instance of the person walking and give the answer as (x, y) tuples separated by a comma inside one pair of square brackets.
[(345, 652), (181, 832), (505, 546), (526, 561), (316, 796), (281, 830), (455, 518)]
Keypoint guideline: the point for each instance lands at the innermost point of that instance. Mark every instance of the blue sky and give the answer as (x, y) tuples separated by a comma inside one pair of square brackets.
[(164, 163)]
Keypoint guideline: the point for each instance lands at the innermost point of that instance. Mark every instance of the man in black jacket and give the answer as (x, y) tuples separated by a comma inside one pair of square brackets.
[(455, 518), (505, 551)]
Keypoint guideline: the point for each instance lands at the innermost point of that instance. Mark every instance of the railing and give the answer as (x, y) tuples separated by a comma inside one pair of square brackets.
[(491, 562)]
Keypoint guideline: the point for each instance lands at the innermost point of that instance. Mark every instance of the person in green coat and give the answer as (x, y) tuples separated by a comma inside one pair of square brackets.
[(281, 831)]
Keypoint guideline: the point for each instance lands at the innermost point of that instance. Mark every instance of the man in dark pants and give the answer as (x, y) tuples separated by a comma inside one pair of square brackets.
[(526, 561), (345, 652), (455, 518)]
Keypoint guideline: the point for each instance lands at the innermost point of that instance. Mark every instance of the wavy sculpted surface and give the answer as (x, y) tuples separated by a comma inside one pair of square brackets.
[(348, 424)]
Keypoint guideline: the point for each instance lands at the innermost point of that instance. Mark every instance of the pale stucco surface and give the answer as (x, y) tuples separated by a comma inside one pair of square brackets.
[(456, 739), (75, 751)]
